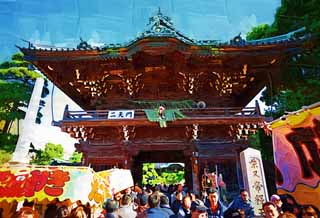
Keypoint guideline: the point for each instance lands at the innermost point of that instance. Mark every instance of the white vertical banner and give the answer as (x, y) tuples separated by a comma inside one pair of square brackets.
[(20, 154), (253, 178)]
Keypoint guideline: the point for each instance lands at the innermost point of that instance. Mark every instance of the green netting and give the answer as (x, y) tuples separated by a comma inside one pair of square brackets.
[(166, 104), (169, 115)]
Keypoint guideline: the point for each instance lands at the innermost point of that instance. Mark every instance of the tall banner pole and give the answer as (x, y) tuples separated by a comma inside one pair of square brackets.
[(20, 154)]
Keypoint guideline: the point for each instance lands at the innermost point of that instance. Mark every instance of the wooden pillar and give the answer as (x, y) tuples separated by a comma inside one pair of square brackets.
[(188, 171), (239, 172), (195, 172)]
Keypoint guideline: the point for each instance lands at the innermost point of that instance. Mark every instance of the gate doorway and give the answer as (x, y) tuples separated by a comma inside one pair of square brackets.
[(163, 173), (161, 157)]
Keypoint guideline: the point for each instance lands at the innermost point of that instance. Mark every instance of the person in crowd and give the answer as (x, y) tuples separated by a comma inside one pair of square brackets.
[(112, 208), (242, 204), (179, 190), (164, 205), (154, 211), (176, 204), (277, 201), (118, 196), (27, 210), (309, 211), (290, 204), (26, 213), (192, 195), (223, 189), (270, 210), (184, 210), (87, 209), (198, 209), (126, 208), (215, 207), (63, 212), (142, 201), (129, 191), (51, 210), (287, 215), (78, 212)]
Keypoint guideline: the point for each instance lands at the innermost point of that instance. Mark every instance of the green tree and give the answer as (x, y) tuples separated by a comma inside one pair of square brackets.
[(75, 157), (259, 32), (293, 99), (173, 177), (300, 76), (16, 84), (44, 157), (263, 143), (8, 144), (17, 78), (152, 177)]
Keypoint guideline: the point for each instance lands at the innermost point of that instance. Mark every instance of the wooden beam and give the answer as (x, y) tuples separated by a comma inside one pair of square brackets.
[(146, 122)]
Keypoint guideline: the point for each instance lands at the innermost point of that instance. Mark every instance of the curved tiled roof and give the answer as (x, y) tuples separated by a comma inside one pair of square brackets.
[(161, 26)]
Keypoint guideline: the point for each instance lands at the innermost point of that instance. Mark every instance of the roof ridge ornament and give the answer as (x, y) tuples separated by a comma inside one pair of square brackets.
[(162, 26)]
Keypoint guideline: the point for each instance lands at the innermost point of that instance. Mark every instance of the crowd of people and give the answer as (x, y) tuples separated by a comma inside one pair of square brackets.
[(162, 202)]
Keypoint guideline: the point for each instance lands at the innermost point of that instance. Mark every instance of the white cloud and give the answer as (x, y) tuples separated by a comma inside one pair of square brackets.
[(247, 23)]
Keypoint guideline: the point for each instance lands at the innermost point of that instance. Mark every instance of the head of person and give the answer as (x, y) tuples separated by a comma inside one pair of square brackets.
[(198, 209), (127, 190), (186, 202), (164, 200), (26, 213), (126, 199), (179, 196), (179, 187), (79, 213), (309, 211), (270, 210), (290, 204), (213, 196), (143, 199), (63, 211), (244, 195), (192, 195), (112, 206), (287, 215), (154, 200), (27, 203), (118, 196), (276, 200)]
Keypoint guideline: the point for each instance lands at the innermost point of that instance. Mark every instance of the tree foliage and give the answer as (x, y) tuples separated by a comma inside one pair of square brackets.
[(44, 157), (13, 96), (17, 78), (259, 32), (263, 143), (291, 100), (75, 157), (152, 177), (300, 76), (8, 144)]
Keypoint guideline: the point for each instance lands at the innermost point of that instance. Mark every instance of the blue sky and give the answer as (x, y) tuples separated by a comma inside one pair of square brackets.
[(62, 22)]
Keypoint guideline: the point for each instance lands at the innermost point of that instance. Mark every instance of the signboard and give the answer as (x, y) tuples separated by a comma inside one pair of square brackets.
[(121, 114), (296, 146), (254, 178), (19, 182), (118, 179)]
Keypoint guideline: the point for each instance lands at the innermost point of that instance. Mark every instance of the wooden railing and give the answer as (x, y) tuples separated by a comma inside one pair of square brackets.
[(193, 112)]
